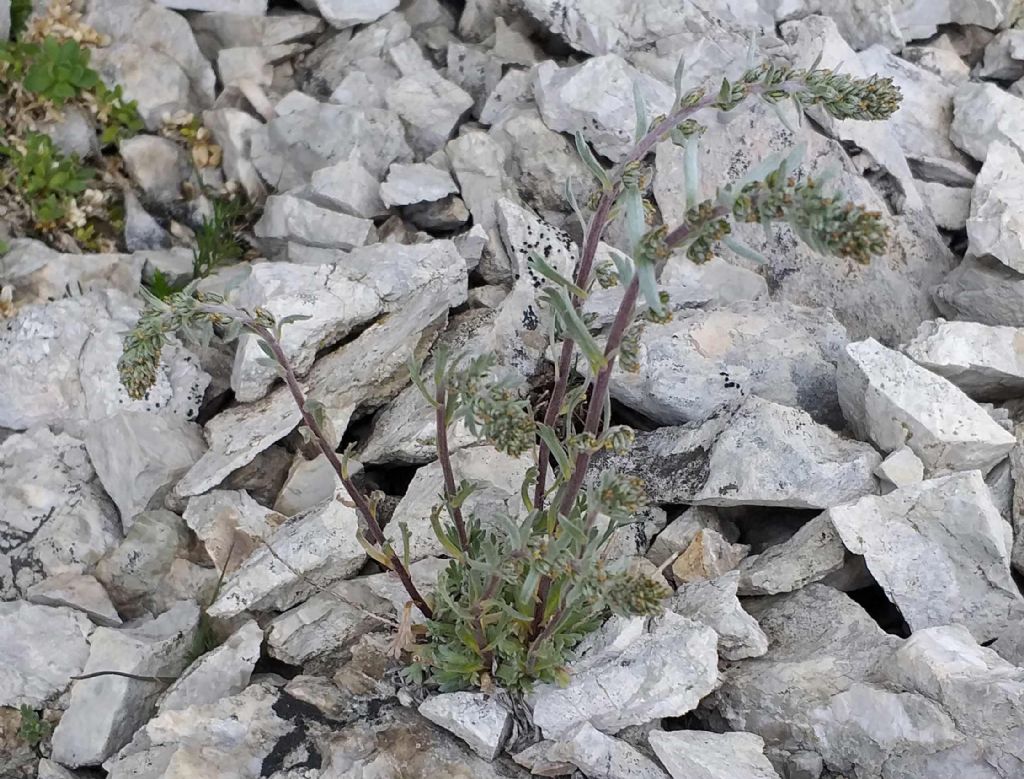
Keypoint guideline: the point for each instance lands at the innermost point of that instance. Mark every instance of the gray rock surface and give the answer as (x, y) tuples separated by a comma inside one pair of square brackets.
[(54, 516), (985, 362), (598, 755), (630, 672), (698, 364), (714, 603), (417, 183), (764, 454), (889, 399), (814, 551), (984, 114), (43, 647), (480, 721), (942, 535), (983, 290), (105, 711), (691, 754), (995, 227), (79, 591)]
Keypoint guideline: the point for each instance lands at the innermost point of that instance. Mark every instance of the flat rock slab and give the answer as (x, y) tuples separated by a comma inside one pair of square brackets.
[(891, 400), (762, 455), (691, 754), (940, 550)]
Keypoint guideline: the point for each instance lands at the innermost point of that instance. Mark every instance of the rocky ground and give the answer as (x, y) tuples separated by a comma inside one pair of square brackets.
[(833, 450)]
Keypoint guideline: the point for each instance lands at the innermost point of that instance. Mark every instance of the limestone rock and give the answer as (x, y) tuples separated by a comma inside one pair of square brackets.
[(158, 165), (230, 737), (338, 306), (79, 591), (316, 633), (763, 454), (861, 23), (308, 483), (481, 722), (983, 361), (430, 106), (137, 456), (983, 290), (152, 79), (922, 125), (342, 14), (901, 468), (220, 673), (995, 226), (714, 603), (707, 557), (363, 374), (892, 401), (698, 364), (814, 551), (292, 146), (43, 647), (106, 710), (317, 546), (949, 206), (681, 531), (921, 18), (630, 672), (148, 571), (598, 755), (348, 187), (596, 98), (403, 742), (886, 299), (232, 129), (417, 183), (985, 114), (926, 540), (499, 479), (40, 274), (60, 365), (289, 218), (54, 515), (692, 754), (231, 525)]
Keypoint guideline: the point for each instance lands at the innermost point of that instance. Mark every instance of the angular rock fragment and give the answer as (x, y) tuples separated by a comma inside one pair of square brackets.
[(430, 106), (348, 187), (630, 672), (480, 721), (417, 183), (814, 551), (762, 455), (339, 306), (927, 540), (983, 290), (714, 603), (984, 114), (342, 14), (54, 516), (691, 754), (79, 591), (220, 673), (138, 456), (106, 710), (43, 647), (231, 525), (596, 98), (986, 362), (598, 755), (707, 557), (889, 399), (700, 363), (901, 468), (315, 548), (289, 218), (995, 227), (680, 532)]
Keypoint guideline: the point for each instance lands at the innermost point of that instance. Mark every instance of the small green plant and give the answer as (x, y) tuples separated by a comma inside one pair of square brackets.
[(34, 730), (521, 591), (59, 70), (44, 71), (218, 243), (47, 180)]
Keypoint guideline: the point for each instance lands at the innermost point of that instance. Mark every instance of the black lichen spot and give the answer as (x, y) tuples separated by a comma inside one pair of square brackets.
[(530, 320)]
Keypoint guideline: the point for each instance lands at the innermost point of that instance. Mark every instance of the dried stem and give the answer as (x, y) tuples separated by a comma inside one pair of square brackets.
[(375, 531)]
